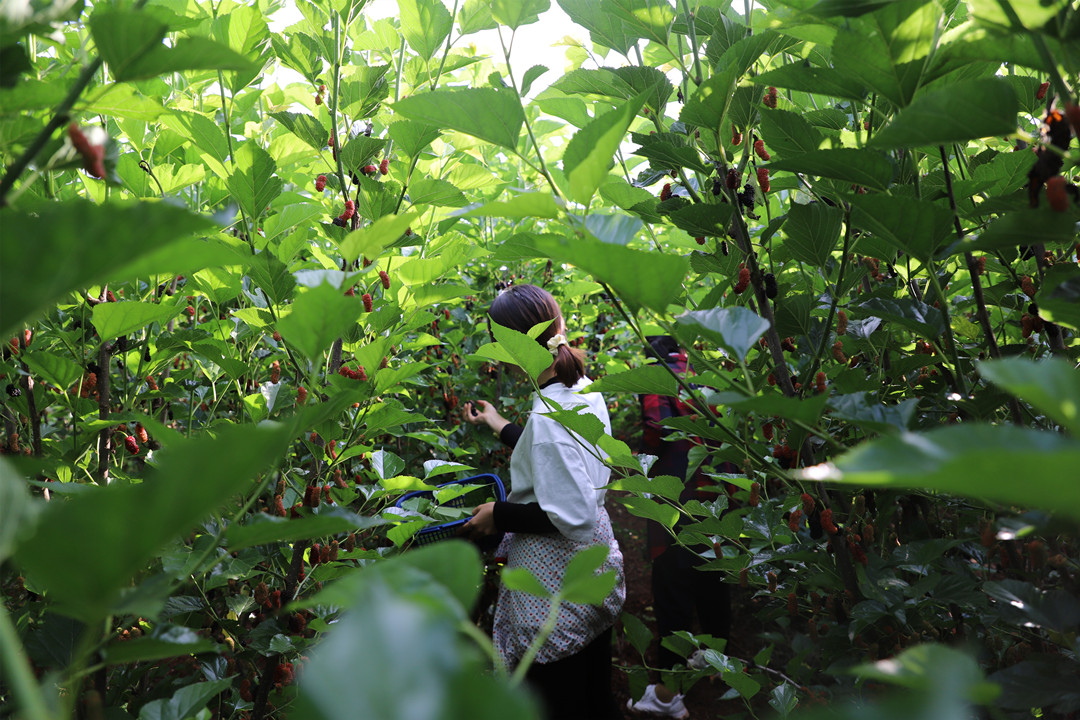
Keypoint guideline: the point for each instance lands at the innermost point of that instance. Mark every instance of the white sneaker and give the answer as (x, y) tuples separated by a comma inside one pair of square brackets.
[(649, 704)]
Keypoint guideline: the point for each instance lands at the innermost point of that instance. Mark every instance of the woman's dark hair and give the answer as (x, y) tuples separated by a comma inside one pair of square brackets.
[(520, 307)]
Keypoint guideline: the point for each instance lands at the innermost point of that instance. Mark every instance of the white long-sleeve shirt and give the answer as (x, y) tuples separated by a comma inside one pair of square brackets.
[(552, 466)]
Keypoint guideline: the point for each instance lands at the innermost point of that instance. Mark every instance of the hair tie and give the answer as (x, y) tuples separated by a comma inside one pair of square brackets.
[(554, 342)]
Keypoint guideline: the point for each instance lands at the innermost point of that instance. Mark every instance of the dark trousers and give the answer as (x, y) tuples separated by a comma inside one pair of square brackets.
[(679, 591), (577, 687)]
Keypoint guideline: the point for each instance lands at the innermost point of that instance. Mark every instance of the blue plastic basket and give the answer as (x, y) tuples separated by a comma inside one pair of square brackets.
[(448, 530)]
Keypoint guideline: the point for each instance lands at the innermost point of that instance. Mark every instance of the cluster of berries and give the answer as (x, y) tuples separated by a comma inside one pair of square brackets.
[(382, 169), (769, 100), (346, 214), (744, 279), (760, 151), (319, 95), (357, 374)]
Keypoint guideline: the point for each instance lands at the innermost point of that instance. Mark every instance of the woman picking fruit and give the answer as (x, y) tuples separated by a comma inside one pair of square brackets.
[(555, 509)]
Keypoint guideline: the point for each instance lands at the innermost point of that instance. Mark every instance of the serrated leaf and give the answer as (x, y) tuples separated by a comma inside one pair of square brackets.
[(1051, 386), (305, 127), (92, 239), (974, 460), (736, 329), (590, 153), (253, 184), (485, 113), (115, 319), (318, 317), (412, 137), (425, 25), (868, 168), (962, 111), (812, 232), (642, 380), (642, 279)]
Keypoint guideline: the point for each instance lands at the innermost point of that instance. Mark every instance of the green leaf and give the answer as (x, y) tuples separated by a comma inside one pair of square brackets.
[(702, 220), (424, 25), (581, 583), (518, 207), (666, 515), (360, 151), (253, 184), (1051, 386), (524, 351), (804, 410), (787, 133), (642, 279), (1059, 295), (186, 702), (265, 530), (272, 276), (318, 317), (408, 619), (522, 580), (919, 668), (707, 106), (189, 53), (961, 111), (736, 329), (156, 648), (648, 19), (602, 81), (649, 81), (204, 132), (891, 66), (917, 227), (56, 369), (120, 318), (812, 231), (530, 76), (671, 156), (305, 127), (604, 28), (817, 80), (370, 241), (299, 52), (923, 319), (666, 486), (123, 38), (642, 380), (92, 239), (868, 168), (484, 113), (112, 532), (612, 228), (1032, 16), (515, 13), (974, 460), (1015, 228), (638, 632), (15, 508), (590, 153), (868, 412), (412, 137), (433, 191)]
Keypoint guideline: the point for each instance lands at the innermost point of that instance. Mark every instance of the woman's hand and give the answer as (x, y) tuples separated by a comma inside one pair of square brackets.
[(484, 412), (482, 522)]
